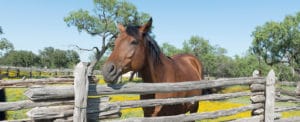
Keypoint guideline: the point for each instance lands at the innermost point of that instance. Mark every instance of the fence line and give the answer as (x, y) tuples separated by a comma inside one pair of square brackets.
[(57, 103), (30, 82), (196, 116), (46, 92), (39, 71)]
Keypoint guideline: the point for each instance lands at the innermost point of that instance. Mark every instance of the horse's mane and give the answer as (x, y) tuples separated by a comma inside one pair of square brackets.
[(153, 48)]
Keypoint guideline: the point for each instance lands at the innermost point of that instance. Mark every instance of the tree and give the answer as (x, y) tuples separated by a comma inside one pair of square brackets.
[(102, 22), (170, 50), (73, 58), (5, 46), (198, 46), (201, 48), (279, 42), (20, 58), (56, 58), (1, 32)]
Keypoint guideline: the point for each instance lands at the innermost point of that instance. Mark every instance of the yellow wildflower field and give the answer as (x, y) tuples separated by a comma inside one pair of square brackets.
[(204, 106)]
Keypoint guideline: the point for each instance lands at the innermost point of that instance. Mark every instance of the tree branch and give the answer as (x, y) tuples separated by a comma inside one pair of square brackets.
[(83, 49)]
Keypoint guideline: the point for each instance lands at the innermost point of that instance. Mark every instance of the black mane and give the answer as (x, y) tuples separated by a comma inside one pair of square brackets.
[(150, 43)]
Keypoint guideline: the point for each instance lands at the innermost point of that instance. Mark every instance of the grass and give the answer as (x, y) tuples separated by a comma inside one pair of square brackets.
[(34, 74), (211, 106), (204, 106), (12, 95), (16, 94)]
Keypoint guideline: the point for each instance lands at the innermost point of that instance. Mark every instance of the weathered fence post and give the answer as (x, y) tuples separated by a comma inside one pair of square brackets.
[(2, 99), (17, 73), (270, 97), (81, 85), (30, 73), (257, 98), (298, 88), (7, 72)]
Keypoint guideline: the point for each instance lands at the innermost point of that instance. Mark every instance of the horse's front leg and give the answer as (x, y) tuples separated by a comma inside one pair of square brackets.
[(148, 111)]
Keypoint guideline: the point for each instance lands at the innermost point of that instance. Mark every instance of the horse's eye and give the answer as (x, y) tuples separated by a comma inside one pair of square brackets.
[(135, 42), (112, 45)]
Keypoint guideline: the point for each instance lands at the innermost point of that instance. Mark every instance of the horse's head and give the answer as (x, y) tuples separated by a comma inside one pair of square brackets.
[(128, 53)]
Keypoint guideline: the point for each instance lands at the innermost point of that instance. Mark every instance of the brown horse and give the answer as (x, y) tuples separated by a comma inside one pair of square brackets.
[(135, 50)]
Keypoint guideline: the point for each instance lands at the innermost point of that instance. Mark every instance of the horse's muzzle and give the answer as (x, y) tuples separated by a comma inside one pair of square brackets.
[(111, 73)]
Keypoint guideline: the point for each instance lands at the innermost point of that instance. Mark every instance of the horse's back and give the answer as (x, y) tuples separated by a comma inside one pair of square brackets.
[(189, 68)]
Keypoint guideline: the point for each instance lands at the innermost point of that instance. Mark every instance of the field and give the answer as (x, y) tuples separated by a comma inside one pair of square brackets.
[(16, 94)]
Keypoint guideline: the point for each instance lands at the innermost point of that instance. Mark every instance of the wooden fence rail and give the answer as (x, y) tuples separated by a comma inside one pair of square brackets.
[(38, 71), (71, 103), (46, 92), (288, 83), (31, 82), (171, 87), (195, 116)]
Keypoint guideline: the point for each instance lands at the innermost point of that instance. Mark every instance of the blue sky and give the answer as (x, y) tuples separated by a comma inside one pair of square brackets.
[(35, 24)]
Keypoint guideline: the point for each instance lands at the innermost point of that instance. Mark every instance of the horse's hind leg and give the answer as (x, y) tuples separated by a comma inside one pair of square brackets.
[(192, 107)]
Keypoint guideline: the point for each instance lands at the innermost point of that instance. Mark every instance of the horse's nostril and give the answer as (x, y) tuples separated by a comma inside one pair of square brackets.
[(112, 67)]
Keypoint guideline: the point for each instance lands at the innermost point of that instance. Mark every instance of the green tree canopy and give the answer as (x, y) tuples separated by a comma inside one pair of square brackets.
[(56, 58), (213, 57), (20, 58), (101, 22), (278, 42), (1, 32), (170, 50), (5, 45)]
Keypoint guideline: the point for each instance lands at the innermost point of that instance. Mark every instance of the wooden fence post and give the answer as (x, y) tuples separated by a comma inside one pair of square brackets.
[(81, 85), (2, 99), (298, 88), (7, 72), (17, 73), (30, 73), (255, 87), (270, 97)]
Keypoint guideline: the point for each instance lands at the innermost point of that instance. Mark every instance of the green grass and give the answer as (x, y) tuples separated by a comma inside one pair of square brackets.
[(290, 88), (12, 95)]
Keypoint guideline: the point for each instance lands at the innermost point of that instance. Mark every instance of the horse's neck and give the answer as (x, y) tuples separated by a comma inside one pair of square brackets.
[(155, 72)]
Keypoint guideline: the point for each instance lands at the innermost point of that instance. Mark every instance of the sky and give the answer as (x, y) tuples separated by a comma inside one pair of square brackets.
[(36, 24)]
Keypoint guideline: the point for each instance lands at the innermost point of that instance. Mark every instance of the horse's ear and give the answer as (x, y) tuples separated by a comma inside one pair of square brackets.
[(146, 27), (121, 27)]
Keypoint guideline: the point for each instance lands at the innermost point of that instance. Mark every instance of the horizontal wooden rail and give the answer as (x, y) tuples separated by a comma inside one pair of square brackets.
[(66, 111), (292, 119), (53, 112), (107, 108), (288, 83), (172, 101), (29, 82), (195, 116), (18, 105), (34, 69), (58, 92), (25, 104), (292, 108)]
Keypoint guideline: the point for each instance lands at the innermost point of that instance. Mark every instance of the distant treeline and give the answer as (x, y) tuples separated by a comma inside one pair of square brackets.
[(217, 64), (49, 57)]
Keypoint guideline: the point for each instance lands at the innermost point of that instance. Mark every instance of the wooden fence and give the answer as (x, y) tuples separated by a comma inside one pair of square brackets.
[(71, 103), (35, 72)]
